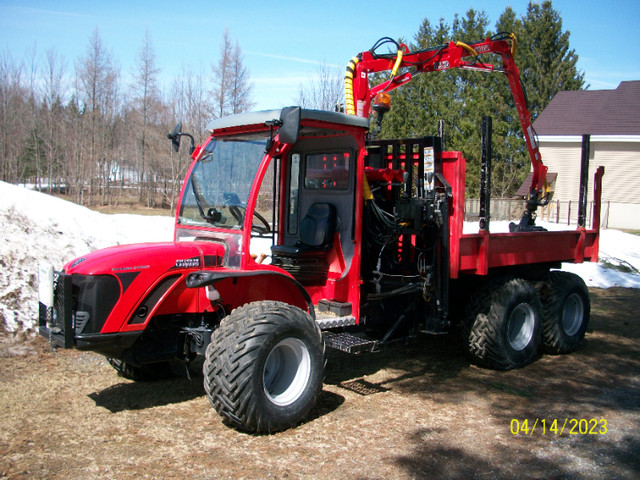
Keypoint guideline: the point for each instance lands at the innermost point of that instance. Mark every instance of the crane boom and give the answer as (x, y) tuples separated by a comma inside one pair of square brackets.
[(359, 93)]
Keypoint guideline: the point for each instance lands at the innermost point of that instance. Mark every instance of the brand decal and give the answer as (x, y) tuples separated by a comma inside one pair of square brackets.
[(188, 262), (441, 65), (482, 48), (133, 267)]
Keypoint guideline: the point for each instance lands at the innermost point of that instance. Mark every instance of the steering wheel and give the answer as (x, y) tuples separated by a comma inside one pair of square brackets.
[(261, 229), (238, 213)]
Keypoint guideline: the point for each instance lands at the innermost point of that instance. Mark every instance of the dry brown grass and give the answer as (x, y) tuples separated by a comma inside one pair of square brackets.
[(422, 411)]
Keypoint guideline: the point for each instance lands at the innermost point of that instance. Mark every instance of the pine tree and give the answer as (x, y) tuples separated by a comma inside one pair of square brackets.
[(548, 64)]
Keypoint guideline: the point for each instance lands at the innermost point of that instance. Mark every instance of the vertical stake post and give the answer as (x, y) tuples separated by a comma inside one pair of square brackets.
[(584, 178), (485, 174)]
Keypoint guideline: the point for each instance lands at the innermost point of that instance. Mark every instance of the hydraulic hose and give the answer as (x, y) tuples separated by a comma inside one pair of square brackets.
[(467, 48), (350, 104)]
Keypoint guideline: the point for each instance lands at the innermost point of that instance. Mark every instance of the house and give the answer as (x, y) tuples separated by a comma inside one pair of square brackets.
[(612, 119)]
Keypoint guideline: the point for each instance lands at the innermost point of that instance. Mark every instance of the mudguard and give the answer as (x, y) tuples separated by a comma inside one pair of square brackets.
[(246, 286)]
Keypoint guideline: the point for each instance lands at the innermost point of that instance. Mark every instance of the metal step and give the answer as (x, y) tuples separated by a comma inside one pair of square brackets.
[(326, 320), (348, 343)]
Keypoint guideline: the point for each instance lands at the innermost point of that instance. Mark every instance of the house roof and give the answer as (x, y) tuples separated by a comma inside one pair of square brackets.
[(593, 112)]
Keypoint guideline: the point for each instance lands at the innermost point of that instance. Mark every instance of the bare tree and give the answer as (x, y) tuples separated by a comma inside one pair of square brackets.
[(232, 85), (222, 76), (191, 104), (33, 152), (53, 73), (240, 84), (98, 86), (324, 90), (147, 102), (12, 117)]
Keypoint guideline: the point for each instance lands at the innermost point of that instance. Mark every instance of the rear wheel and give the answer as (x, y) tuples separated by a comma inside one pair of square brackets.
[(503, 324), (567, 309), (264, 366)]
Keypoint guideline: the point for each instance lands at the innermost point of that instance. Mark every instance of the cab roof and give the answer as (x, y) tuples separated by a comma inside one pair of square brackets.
[(219, 125)]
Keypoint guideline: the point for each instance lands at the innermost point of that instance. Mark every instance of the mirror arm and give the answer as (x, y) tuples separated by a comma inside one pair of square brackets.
[(271, 124), (174, 137)]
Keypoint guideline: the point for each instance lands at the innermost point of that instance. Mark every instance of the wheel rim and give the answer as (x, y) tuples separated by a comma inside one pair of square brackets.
[(521, 325), (572, 314), (286, 371)]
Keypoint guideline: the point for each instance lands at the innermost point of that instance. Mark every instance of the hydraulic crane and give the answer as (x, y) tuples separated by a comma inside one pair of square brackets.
[(404, 65)]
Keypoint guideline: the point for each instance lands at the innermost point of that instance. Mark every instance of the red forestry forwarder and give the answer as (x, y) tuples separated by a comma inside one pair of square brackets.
[(295, 229)]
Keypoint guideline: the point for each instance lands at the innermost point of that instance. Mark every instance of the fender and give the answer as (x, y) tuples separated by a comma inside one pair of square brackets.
[(226, 280)]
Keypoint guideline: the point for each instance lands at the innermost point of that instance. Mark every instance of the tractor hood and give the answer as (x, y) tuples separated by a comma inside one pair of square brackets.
[(153, 257)]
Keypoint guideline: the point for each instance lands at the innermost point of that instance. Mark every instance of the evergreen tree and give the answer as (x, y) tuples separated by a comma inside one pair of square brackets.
[(548, 64)]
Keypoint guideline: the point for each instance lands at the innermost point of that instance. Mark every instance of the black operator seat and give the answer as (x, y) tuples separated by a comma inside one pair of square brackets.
[(315, 233)]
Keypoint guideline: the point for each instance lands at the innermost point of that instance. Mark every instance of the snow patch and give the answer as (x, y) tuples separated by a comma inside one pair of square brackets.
[(38, 228)]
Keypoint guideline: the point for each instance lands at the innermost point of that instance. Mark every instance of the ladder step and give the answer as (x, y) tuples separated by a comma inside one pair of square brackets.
[(349, 343), (326, 321)]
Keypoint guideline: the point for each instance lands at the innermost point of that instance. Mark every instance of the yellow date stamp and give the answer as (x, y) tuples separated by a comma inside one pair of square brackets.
[(559, 426)]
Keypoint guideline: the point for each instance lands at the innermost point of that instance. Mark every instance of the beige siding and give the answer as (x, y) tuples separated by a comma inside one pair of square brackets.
[(621, 182), (621, 162), (563, 159)]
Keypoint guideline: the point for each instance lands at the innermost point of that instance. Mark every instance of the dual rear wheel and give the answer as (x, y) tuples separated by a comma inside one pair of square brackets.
[(509, 320)]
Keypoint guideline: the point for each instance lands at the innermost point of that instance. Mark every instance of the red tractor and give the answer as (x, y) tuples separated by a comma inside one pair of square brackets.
[(295, 229)]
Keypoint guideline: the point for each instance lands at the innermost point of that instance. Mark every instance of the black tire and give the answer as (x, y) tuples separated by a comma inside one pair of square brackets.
[(149, 372), (567, 308), (503, 324), (264, 367)]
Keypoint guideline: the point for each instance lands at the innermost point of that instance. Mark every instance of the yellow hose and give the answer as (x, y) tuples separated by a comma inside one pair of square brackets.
[(467, 48), (396, 66), (366, 190), (514, 42), (350, 104)]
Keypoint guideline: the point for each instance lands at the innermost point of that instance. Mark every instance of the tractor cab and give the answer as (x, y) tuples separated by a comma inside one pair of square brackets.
[(279, 190)]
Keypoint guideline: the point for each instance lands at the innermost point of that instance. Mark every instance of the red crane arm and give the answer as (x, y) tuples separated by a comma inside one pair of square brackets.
[(359, 94)]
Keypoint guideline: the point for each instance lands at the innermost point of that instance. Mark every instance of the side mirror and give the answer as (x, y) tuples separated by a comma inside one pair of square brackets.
[(174, 136), (290, 129)]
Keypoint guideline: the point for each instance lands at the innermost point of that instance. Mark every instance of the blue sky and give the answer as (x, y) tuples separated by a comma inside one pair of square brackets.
[(284, 42)]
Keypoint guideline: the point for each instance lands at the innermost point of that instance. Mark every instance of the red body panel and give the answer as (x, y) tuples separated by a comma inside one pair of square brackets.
[(475, 254), (139, 268)]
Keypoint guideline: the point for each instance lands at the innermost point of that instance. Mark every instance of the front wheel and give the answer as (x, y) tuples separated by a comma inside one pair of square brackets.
[(264, 367), (503, 324)]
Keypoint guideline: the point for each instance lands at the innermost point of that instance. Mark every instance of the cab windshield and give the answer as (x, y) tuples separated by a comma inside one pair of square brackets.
[(218, 188)]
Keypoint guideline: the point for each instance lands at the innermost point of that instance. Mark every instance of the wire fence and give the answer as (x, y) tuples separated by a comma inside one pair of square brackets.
[(561, 212)]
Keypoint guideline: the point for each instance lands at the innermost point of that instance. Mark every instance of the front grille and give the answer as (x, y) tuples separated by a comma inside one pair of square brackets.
[(94, 296), (81, 305), (56, 322)]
